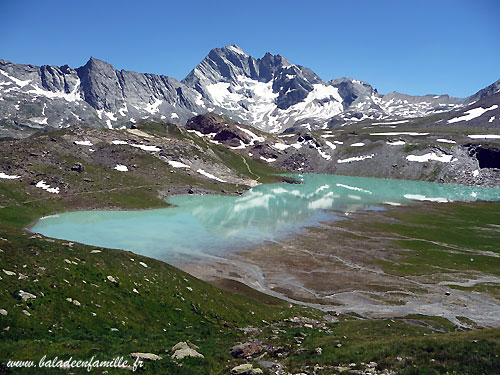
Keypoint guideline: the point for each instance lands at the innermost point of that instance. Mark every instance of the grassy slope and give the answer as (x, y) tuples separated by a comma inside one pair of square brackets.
[(165, 310)]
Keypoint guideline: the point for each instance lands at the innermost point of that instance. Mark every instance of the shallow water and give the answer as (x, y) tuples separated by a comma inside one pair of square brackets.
[(211, 225)]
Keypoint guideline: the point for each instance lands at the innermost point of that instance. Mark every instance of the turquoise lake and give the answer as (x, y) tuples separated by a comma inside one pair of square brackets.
[(210, 225)]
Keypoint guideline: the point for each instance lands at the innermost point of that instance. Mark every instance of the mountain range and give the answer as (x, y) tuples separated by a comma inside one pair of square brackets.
[(269, 93)]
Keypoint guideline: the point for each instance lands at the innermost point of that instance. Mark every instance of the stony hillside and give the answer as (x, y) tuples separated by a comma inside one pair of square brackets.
[(409, 149)]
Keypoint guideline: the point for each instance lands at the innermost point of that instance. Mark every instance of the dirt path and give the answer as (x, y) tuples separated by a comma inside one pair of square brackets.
[(248, 167)]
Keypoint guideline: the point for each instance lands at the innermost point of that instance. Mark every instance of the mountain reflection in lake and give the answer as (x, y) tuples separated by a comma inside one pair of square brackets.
[(212, 225)]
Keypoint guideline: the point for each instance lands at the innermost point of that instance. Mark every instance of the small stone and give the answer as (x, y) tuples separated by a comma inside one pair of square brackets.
[(95, 252), (3, 312), (112, 279), (9, 273), (339, 345), (26, 313), (25, 295), (318, 351), (143, 264), (76, 303)]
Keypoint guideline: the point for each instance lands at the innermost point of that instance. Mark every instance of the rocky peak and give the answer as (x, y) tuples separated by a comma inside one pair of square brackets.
[(492, 89)]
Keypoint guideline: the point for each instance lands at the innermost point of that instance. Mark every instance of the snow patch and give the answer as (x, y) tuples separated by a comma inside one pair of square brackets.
[(355, 158), (442, 140), (146, 148), (359, 144), (209, 175), (121, 168), (174, 115), (472, 114), (73, 96), (396, 143), (17, 81), (430, 156), (39, 120), (255, 137), (331, 145), (8, 177), (269, 160), (42, 185), (122, 111), (178, 164), (154, 107), (281, 146), (83, 143)]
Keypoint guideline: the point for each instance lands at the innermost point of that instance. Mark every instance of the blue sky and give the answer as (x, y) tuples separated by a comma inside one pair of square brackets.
[(415, 47)]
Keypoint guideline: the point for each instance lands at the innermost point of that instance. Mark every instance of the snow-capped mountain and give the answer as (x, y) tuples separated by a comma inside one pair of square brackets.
[(269, 93), (32, 97), (273, 94)]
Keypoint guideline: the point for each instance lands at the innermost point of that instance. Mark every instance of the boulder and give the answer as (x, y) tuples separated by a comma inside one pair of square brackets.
[(77, 167), (184, 349), (245, 369), (186, 352), (245, 350)]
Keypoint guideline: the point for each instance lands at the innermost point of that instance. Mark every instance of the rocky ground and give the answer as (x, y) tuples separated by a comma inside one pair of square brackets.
[(378, 264)]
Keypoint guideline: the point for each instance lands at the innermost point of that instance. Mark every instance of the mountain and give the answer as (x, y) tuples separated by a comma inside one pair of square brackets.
[(33, 98), (269, 93), (273, 94)]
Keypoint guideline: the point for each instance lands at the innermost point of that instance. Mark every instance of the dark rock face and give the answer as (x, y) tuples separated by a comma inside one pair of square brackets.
[(206, 124), (219, 129), (487, 157)]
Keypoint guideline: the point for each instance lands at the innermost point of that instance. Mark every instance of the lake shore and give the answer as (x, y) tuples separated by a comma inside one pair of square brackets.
[(345, 266)]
